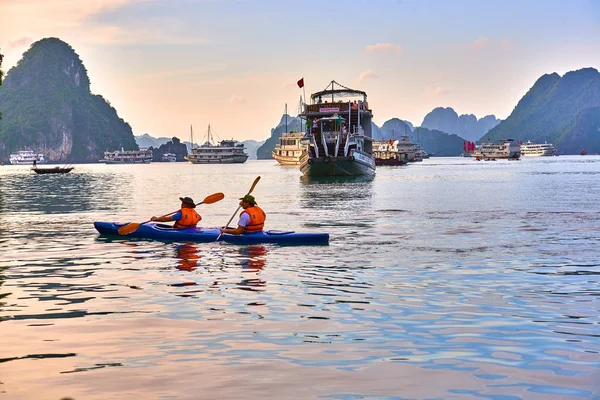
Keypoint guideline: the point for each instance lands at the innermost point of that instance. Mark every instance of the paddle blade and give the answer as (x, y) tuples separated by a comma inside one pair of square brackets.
[(213, 198), (254, 184), (129, 228)]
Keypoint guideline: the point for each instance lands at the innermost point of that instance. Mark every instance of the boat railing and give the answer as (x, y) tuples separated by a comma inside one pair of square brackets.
[(324, 143), (337, 143), (314, 142), (335, 107)]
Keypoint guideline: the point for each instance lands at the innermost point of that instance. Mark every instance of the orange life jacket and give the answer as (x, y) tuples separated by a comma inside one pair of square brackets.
[(189, 219), (257, 219)]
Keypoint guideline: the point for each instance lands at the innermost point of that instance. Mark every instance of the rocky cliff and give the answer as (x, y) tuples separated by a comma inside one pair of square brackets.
[(48, 107)]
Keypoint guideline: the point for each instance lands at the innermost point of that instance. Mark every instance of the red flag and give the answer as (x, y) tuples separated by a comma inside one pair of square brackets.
[(301, 83), (464, 146)]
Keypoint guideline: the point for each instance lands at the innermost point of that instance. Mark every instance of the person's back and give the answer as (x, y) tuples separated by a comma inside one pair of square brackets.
[(185, 218)]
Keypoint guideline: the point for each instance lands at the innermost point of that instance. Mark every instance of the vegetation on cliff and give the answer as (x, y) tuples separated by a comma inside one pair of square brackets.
[(48, 108), (564, 111)]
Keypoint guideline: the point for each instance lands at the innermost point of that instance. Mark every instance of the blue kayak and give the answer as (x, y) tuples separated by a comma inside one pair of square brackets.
[(153, 230)]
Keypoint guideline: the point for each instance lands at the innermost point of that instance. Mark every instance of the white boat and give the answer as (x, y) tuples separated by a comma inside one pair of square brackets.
[(141, 156), (504, 148), (530, 149), (405, 145), (169, 157), (290, 148), (26, 157), (225, 152)]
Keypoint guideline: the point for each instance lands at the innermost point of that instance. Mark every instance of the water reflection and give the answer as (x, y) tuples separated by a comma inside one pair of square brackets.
[(349, 198), (187, 257), (253, 258), (63, 193)]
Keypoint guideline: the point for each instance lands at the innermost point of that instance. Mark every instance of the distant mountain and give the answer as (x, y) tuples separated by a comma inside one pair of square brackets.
[(146, 140), (393, 129), (47, 107), (564, 111), (466, 126), (293, 124)]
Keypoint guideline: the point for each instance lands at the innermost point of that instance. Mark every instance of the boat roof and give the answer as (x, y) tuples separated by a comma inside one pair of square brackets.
[(340, 91)]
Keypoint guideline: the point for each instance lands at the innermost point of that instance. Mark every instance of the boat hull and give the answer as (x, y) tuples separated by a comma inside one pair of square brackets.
[(223, 160), (204, 235), (359, 164), (55, 170)]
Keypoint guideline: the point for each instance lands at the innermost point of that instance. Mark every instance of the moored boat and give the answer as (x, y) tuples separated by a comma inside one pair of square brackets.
[(169, 157), (339, 133), (530, 149), (386, 153), (141, 156), (502, 149), (225, 152), (26, 157), (290, 148), (159, 231)]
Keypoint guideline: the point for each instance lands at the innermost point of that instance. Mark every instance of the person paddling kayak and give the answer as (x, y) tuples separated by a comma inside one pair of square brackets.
[(186, 217), (252, 219)]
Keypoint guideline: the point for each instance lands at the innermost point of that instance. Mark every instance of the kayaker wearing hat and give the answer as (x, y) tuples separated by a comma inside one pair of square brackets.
[(252, 219), (187, 217)]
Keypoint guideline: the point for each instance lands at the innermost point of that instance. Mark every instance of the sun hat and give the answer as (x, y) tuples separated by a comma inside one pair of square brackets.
[(188, 200)]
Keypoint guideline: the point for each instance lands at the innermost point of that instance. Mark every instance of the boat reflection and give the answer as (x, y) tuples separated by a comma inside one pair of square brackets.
[(187, 257)]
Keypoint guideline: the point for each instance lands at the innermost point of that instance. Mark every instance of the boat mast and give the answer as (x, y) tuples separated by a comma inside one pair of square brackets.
[(192, 135), (286, 124)]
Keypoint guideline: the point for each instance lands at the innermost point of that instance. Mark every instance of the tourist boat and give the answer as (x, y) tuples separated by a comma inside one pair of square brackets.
[(405, 145), (205, 235), (339, 139), (290, 148), (225, 152), (169, 157), (530, 149), (26, 157), (386, 153), (504, 148), (141, 156)]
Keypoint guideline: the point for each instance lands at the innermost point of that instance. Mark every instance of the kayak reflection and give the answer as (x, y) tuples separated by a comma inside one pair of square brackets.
[(187, 257)]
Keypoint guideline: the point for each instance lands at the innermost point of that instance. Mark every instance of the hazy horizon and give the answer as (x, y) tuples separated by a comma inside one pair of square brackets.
[(235, 64)]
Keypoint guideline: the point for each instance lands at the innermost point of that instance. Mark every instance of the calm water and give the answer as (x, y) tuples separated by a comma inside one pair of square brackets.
[(446, 279)]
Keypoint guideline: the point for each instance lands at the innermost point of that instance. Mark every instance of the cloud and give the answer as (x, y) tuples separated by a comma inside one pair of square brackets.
[(366, 75), (383, 48), (22, 42), (478, 44), (237, 99), (438, 91)]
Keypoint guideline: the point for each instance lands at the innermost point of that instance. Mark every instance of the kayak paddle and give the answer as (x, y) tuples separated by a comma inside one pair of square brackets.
[(134, 226), (238, 209)]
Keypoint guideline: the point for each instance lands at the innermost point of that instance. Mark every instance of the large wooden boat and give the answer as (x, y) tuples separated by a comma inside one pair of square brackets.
[(290, 148), (339, 133), (225, 152)]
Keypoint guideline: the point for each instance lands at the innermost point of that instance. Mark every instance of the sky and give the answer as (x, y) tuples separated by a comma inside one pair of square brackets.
[(234, 64)]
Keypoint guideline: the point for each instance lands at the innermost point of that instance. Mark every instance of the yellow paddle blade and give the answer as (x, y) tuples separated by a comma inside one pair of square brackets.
[(129, 228), (213, 198)]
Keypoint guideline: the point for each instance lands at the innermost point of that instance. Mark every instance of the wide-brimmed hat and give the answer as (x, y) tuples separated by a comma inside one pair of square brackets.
[(249, 199), (188, 200)]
